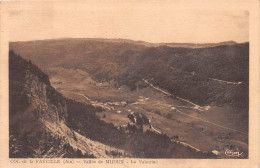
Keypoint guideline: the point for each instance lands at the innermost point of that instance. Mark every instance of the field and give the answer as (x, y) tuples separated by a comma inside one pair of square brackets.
[(208, 128)]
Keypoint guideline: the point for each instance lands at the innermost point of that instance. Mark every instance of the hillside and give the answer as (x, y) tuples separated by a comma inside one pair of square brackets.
[(211, 74), (45, 124), (39, 117), (188, 73)]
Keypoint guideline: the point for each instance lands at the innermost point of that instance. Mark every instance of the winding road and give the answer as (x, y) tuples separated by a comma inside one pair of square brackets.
[(221, 126), (169, 94), (183, 143), (193, 73)]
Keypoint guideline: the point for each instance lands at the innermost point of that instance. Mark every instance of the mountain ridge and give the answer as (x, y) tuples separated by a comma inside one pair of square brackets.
[(144, 43)]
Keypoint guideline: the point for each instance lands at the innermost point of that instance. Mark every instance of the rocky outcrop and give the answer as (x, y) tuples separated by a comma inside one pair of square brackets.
[(38, 118)]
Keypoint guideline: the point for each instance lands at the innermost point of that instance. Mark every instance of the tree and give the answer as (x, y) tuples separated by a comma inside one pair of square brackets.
[(145, 120), (131, 118)]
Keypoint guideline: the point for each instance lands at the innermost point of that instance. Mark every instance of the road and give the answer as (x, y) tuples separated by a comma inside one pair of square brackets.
[(78, 94), (183, 143), (221, 126), (169, 106), (176, 110), (156, 130), (169, 94), (94, 103), (193, 73), (227, 82)]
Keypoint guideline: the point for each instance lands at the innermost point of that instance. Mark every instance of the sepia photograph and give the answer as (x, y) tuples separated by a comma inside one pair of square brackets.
[(113, 84), (117, 80)]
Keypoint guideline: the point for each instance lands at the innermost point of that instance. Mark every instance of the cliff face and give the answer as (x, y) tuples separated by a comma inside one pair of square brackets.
[(38, 117), (47, 102)]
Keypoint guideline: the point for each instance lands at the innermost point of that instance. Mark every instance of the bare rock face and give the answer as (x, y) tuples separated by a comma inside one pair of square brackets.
[(38, 118)]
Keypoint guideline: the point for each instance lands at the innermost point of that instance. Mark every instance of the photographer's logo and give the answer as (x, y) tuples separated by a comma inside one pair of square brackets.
[(230, 152)]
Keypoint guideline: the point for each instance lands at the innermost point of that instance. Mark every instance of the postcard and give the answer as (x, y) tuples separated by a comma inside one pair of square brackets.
[(130, 83)]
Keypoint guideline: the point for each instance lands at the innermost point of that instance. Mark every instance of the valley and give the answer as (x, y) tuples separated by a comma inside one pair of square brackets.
[(206, 128), (195, 98)]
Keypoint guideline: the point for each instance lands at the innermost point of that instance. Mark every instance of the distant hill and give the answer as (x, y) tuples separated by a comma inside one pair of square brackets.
[(198, 45), (191, 71), (144, 43)]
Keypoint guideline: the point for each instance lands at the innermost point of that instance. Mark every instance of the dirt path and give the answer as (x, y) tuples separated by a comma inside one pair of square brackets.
[(93, 103), (78, 94)]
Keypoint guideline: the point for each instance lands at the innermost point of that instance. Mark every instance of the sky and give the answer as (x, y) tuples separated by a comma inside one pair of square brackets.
[(151, 21)]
